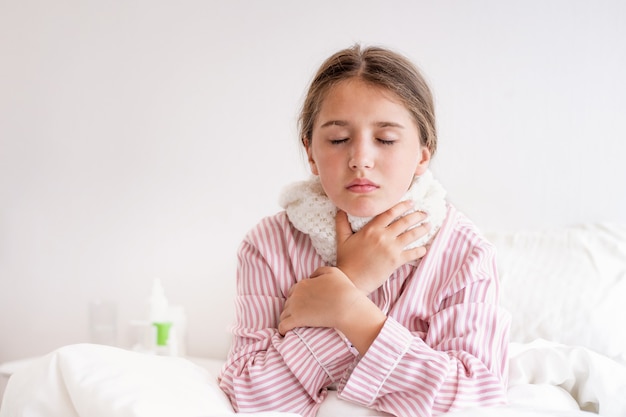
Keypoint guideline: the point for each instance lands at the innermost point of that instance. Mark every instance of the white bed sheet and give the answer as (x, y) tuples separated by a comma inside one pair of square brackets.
[(546, 380)]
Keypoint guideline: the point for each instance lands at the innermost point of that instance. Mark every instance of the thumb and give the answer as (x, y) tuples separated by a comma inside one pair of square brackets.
[(342, 226)]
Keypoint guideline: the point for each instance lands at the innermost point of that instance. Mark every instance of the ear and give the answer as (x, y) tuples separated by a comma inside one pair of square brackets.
[(424, 162), (309, 153)]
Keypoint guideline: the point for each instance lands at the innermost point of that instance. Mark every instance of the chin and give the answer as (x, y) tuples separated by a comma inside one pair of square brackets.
[(364, 207), (364, 212)]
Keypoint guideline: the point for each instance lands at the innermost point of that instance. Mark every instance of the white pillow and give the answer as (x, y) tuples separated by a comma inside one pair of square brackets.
[(566, 285), (103, 381)]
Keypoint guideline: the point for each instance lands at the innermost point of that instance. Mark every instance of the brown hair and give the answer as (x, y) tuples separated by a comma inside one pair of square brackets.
[(380, 67)]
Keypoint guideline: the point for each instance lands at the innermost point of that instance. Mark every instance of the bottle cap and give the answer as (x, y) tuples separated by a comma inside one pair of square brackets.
[(163, 332)]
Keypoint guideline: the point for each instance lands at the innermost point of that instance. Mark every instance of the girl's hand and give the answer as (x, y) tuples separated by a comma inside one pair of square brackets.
[(318, 301), (370, 255), (329, 299)]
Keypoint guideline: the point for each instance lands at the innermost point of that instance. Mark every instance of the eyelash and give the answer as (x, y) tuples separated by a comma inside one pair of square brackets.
[(381, 141)]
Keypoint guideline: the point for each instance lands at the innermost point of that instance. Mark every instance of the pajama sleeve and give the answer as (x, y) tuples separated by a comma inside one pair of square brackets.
[(268, 372), (459, 361)]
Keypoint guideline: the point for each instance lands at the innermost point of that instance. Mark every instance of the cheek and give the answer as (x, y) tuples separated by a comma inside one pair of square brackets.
[(323, 162)]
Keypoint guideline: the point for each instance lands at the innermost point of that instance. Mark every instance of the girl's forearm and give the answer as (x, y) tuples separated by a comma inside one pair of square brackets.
[(361, 323)]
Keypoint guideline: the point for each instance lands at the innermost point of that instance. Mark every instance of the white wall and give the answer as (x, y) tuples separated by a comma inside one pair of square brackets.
[(142, 139)]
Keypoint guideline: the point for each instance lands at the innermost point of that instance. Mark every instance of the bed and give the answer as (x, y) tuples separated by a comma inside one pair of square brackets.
[(564, 287)]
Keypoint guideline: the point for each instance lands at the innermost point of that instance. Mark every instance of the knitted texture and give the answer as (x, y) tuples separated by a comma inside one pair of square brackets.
[(310, 211)]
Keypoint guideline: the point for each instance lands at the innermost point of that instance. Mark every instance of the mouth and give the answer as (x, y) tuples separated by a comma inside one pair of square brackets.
[(362, 185)]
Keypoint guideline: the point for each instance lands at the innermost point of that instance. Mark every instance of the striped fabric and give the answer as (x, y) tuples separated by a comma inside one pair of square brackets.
[(443, 346)]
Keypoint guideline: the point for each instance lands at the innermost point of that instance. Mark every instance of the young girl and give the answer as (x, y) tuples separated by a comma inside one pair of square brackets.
[(369, 282)]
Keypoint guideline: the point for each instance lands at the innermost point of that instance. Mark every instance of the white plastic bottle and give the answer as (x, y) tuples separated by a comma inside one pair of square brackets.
[(159, 316)]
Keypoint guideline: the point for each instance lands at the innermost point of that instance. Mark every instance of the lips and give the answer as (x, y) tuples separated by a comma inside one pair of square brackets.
[(362, 185)]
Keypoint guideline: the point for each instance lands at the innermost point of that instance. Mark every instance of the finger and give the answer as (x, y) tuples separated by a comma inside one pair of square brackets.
[(414, 233), (288, 323), (387, 217), (342, 226), (285, 313), (283, 327), (408, 221), (415, 253)]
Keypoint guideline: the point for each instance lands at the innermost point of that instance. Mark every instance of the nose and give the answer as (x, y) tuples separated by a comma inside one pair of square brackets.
[(361, 155)]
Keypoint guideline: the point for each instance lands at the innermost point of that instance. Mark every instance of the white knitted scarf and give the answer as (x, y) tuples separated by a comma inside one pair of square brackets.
[(310, 211)]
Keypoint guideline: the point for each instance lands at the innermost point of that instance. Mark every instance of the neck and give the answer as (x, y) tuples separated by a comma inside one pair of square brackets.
[(310, 210)]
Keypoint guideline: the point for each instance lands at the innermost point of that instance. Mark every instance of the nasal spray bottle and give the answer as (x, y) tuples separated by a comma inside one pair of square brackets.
[(168, 322)]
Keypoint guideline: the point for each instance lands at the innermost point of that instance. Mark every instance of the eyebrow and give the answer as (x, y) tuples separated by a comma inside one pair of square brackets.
[(377, 124)]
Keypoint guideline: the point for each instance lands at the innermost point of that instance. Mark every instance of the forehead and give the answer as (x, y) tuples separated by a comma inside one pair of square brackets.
[(358, 86), (355, 99)]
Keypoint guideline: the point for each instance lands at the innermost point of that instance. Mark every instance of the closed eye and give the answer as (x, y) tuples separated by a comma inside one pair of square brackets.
[(338, 141), (385, 141)]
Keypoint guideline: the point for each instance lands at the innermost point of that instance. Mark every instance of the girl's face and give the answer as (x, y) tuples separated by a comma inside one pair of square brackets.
[(365, 148)]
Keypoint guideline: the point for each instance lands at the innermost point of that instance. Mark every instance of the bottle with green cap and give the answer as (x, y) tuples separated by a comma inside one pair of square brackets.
[(159, 318)]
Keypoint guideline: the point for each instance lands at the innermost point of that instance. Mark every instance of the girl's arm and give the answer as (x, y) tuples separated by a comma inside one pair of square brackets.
[(456, 357), (331, 299), (338, 297), (460, 358), (264, 370)]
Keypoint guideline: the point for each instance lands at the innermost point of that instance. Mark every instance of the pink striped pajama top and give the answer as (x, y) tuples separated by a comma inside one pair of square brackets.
[(443, 345)]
